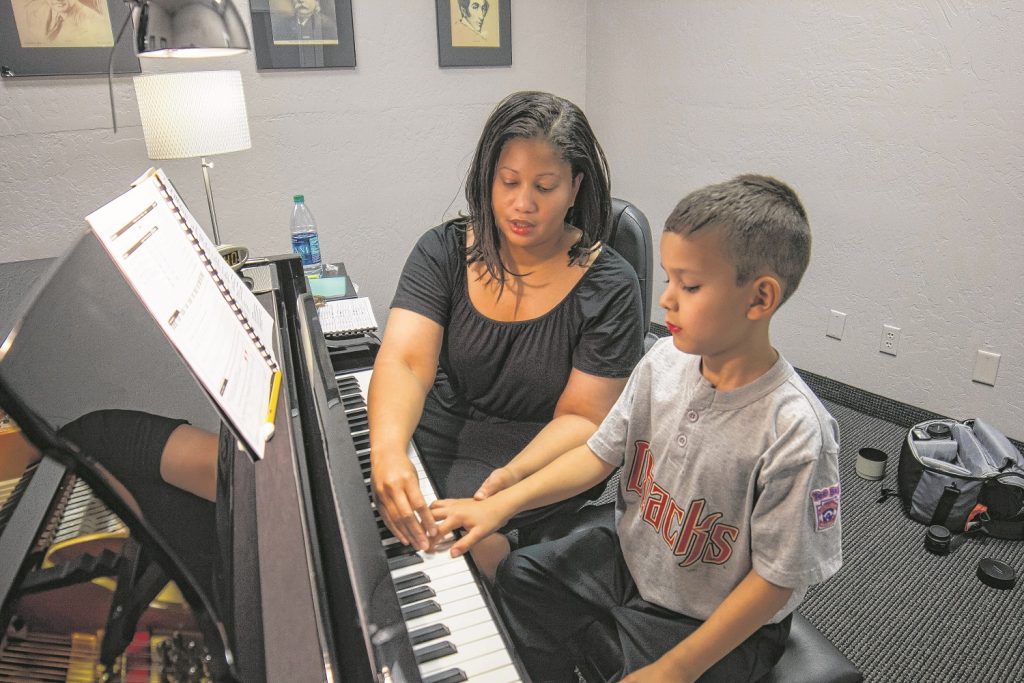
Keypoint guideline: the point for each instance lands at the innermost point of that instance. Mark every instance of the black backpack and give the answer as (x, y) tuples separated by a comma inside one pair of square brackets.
[(965, 476)]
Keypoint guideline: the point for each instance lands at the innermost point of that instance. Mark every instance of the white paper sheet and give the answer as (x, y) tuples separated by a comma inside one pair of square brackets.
[(144, 231)]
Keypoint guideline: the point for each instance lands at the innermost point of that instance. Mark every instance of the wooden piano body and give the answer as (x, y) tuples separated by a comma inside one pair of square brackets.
[(304, 590)]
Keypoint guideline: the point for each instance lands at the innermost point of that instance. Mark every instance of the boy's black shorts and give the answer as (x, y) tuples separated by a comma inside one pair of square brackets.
[(557, 596)]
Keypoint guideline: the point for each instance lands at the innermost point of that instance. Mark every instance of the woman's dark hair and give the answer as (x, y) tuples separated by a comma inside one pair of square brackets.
[(560, 123)]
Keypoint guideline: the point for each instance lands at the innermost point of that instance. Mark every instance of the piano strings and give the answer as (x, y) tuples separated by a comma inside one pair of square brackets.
[(37, 645)]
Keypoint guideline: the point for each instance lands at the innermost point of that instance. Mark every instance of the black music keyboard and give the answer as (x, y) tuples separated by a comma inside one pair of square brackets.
[(456, 634)]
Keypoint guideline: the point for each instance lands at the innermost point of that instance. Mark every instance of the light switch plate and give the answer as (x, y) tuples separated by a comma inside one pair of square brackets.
[(836, 324), (986, 366)]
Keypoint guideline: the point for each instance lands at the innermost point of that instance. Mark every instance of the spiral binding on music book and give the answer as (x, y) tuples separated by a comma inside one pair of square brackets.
[(171, 195)]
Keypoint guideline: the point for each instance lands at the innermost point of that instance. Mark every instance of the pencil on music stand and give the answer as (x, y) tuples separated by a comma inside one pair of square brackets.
[(275, 389)]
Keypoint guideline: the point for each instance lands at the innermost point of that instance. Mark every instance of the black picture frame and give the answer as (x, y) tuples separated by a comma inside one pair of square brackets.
[(67, 53), (460, 44), (323, 46)]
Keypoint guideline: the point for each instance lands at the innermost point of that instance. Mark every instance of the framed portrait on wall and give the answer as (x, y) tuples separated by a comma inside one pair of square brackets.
[(300, 34), (474, 32), (63, 38)]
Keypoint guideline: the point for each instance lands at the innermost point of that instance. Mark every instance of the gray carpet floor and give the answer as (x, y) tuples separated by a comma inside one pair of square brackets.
[(898, 612)]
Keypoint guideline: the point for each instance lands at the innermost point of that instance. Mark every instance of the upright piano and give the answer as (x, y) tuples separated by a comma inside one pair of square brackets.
[(310, 586)]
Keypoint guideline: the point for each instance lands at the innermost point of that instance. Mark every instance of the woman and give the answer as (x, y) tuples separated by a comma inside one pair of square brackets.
[(536, 325)]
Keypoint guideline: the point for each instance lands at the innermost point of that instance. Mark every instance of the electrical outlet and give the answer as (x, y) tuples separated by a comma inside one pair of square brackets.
[(836, 324), (986, 365), (890, 343)]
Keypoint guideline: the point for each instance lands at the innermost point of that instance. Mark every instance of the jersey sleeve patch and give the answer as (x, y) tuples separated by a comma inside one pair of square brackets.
[(826, 507)]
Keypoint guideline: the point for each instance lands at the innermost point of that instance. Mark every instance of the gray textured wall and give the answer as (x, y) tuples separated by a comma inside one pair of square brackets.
[(379, 151), (900, 126), (898, 123)]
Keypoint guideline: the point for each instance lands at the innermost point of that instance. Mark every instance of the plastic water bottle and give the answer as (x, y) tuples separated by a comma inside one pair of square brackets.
[(305, 238)]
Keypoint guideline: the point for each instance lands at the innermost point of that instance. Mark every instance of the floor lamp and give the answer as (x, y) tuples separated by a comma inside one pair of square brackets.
[(194, 114)]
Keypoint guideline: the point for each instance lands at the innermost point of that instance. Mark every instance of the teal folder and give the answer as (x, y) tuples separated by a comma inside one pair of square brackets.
[(339, 287)]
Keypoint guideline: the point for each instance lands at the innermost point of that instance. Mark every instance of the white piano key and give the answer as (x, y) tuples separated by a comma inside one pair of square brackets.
[(478, 657), (462, 638), (466, 606), (506, 674), (454, 593), (455, 580), (482, 642), (466, 622), (437, 565)]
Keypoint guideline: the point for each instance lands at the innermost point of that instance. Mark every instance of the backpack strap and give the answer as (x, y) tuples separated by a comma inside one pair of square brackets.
[(945, 505)]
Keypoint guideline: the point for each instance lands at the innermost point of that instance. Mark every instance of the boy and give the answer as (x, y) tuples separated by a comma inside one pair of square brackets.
[(728, 500)]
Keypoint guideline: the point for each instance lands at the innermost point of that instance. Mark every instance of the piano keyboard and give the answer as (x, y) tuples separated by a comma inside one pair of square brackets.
[(452, 628)]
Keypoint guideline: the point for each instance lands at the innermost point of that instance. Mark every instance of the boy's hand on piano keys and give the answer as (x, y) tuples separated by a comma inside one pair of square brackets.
[(400, 501), (497, 480), (480, 518)]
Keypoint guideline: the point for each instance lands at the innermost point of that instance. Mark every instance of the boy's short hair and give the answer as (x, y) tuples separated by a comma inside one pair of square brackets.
[(762, 223)]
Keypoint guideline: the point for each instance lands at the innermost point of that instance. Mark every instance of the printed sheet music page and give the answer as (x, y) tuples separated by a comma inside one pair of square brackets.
[(142, 231)]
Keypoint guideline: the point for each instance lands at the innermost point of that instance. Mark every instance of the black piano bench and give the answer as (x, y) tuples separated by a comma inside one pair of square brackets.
[(811, 658)]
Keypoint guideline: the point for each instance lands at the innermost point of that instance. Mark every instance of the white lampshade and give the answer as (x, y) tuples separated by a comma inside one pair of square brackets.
[(192, 114)]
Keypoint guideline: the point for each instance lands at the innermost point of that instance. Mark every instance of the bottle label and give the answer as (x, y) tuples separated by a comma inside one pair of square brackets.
[(307, 246)]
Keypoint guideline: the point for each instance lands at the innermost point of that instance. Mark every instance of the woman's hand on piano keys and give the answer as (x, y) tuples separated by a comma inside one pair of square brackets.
[(480, 518), (400, 501)]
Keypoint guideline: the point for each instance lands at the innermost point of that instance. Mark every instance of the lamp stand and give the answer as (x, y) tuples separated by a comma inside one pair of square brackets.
[(235, 255), (207, 165)]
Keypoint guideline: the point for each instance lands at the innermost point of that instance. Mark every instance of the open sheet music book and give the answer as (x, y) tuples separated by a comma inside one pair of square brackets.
[(213, 321), (345, 317)]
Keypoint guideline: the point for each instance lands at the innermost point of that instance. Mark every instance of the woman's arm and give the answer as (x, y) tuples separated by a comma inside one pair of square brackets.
[(189, 461), (582, 406), (403, 373)]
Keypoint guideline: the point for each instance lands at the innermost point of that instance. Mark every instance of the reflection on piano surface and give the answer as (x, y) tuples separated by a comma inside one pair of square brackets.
[(54, 635), (310, 587)]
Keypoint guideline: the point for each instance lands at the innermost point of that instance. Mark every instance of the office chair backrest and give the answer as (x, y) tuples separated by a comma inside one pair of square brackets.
[(631, 237)]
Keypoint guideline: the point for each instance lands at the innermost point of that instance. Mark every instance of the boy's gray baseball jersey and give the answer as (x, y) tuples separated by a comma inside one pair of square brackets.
[(714, 483)]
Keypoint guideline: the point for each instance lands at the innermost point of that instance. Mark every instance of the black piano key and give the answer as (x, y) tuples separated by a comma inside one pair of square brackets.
[(425, 634), (415, 595), (411, 580), (446, 676), (435, 651), (348, 382), (421, 609), (353, 404), (397, 550), (396, 563)]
